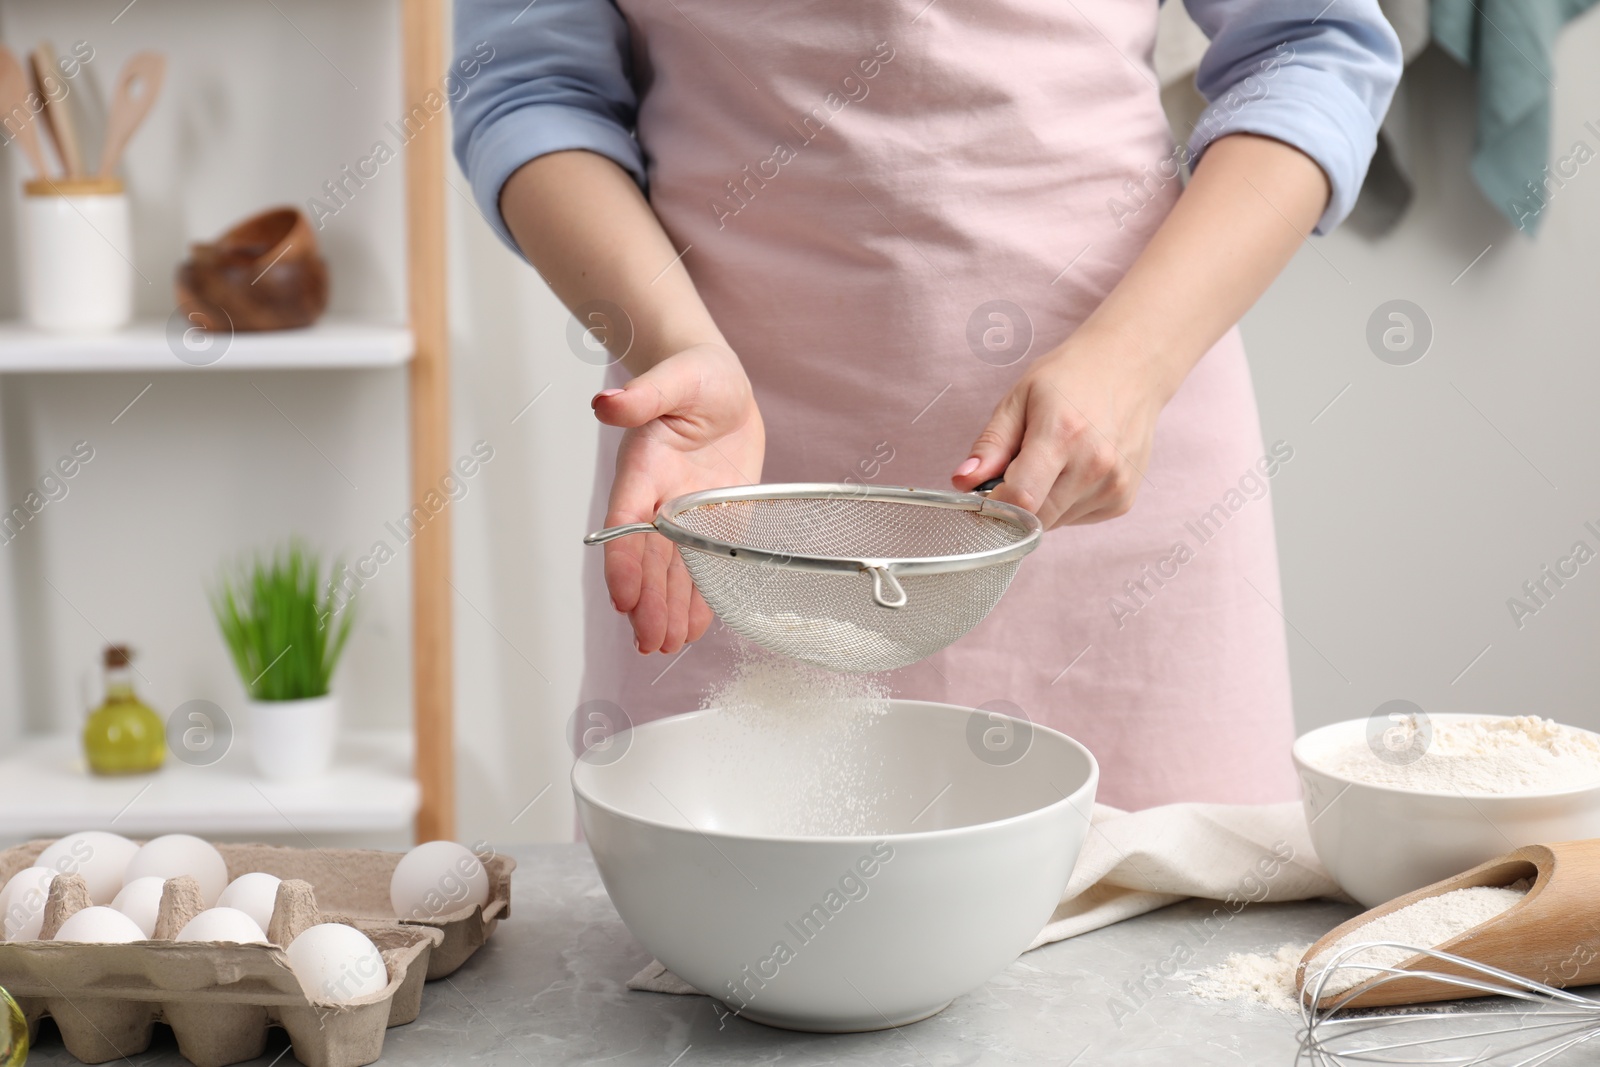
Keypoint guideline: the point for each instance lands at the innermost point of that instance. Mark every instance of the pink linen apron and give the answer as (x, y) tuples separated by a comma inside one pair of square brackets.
[(855, 181)]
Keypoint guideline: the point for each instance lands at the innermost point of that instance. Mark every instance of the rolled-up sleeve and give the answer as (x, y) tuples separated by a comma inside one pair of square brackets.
[(549, 76), (1313, 74)]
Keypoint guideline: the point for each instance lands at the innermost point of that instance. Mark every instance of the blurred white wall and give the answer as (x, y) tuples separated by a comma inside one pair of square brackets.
[(1414, 507), (1424, 498)]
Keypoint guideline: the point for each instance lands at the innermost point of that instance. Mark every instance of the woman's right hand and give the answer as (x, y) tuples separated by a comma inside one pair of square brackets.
[(692, 424)]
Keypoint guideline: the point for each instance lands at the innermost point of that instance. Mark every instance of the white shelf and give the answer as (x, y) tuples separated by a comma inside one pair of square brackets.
[(144, 346), (46, 791)]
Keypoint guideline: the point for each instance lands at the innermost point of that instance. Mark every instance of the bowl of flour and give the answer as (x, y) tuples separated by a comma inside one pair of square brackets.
[(819, 857), (1396, 805)]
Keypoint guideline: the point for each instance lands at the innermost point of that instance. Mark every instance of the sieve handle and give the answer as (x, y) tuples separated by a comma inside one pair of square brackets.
[(989, 486), (615, 532), (886, 588)]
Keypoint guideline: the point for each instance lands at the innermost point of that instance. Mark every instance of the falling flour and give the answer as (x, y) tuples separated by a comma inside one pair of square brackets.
[(827, 781), (1268, 979), (1516, 755)]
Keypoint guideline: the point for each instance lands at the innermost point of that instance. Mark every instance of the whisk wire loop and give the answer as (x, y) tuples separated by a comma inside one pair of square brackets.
[(1335, 1033)]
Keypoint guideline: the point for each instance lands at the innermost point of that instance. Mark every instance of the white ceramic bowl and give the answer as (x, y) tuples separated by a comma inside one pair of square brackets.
[(1381, 841), (694, 830)]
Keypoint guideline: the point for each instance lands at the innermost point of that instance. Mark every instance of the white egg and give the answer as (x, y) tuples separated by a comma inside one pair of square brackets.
[(337, 964), (140, 900), (175, 855), (25, 877), (99, 924), (22, 903), (438, 878), (223, 924), (101, 858), (255, 894)]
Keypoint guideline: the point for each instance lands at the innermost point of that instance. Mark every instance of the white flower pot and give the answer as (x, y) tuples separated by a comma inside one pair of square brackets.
[(293, 738)]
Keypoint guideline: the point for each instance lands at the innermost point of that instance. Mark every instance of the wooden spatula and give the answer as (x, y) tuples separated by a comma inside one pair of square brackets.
[(1552, 935), (137, 88), (14, 105), (58, 115)]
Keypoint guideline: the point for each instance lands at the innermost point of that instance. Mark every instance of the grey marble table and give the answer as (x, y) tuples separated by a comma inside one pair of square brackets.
[(549, 990)]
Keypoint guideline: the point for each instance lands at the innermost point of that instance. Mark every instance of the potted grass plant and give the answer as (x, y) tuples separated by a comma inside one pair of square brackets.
[(285, 630)]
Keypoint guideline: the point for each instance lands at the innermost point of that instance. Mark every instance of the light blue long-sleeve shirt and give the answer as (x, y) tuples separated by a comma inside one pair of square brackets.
[(1313, 74)]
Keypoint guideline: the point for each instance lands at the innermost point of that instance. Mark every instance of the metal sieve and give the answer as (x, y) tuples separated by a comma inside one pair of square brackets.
[(848, 577)]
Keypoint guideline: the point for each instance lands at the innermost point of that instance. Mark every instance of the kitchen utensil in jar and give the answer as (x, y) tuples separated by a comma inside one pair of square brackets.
[(58, 115), (75, 255), (14, 93), (137, 88), (847, 577)]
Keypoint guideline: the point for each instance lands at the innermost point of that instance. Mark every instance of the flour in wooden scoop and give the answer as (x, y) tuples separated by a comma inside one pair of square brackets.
[(1427, 923)]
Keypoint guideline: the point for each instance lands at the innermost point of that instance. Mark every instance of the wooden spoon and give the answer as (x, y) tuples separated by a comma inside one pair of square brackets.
[(1552, 935), (58, 116), (137, 88), (14, 93)]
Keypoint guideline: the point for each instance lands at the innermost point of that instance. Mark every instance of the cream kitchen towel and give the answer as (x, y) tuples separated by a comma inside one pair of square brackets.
[(1134, 862)]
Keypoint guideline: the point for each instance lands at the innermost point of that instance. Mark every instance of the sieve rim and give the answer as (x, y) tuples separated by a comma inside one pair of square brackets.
[(1010, 514)]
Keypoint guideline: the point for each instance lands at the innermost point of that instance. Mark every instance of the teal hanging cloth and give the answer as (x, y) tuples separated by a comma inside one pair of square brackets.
[(1509, 44)]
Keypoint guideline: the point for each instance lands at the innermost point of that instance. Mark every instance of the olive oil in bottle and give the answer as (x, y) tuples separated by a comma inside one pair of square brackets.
[(123, 735), (13, 1033)]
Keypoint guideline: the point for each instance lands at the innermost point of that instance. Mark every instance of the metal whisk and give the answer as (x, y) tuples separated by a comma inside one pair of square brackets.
[(847, 577), (1543, 1022)]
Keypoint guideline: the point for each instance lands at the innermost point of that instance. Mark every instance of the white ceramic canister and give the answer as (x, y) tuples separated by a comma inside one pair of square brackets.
[(76, 255)]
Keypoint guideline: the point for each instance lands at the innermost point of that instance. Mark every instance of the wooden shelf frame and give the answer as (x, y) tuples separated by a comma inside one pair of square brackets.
[(423, 44)]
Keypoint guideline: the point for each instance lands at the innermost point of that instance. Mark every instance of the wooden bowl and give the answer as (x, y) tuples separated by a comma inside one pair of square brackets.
[(265, 273)]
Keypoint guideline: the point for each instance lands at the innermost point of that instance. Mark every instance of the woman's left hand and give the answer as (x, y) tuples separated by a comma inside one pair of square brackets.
[(1072, 438)]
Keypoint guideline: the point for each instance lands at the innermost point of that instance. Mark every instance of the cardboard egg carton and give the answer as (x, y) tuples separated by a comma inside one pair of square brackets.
[(221, 998), (353, 883)]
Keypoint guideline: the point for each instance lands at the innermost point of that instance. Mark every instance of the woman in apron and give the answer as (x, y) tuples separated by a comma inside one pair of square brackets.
[(929, 243)]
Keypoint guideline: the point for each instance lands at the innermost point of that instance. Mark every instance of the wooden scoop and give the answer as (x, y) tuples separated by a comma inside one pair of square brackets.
[(137, 88), (14, 93), (1552, 935), (58, 116)]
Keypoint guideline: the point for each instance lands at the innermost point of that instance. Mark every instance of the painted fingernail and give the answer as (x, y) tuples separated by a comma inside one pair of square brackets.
[(968, 467), (603, 394)]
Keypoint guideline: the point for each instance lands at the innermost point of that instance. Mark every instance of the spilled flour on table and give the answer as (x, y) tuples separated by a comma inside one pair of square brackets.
[(1254, 977), (822, 779), (1268, 979)]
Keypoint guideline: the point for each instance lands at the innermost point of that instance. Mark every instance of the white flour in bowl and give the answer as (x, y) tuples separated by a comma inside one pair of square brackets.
[(1514, 755), (1267, 979)]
